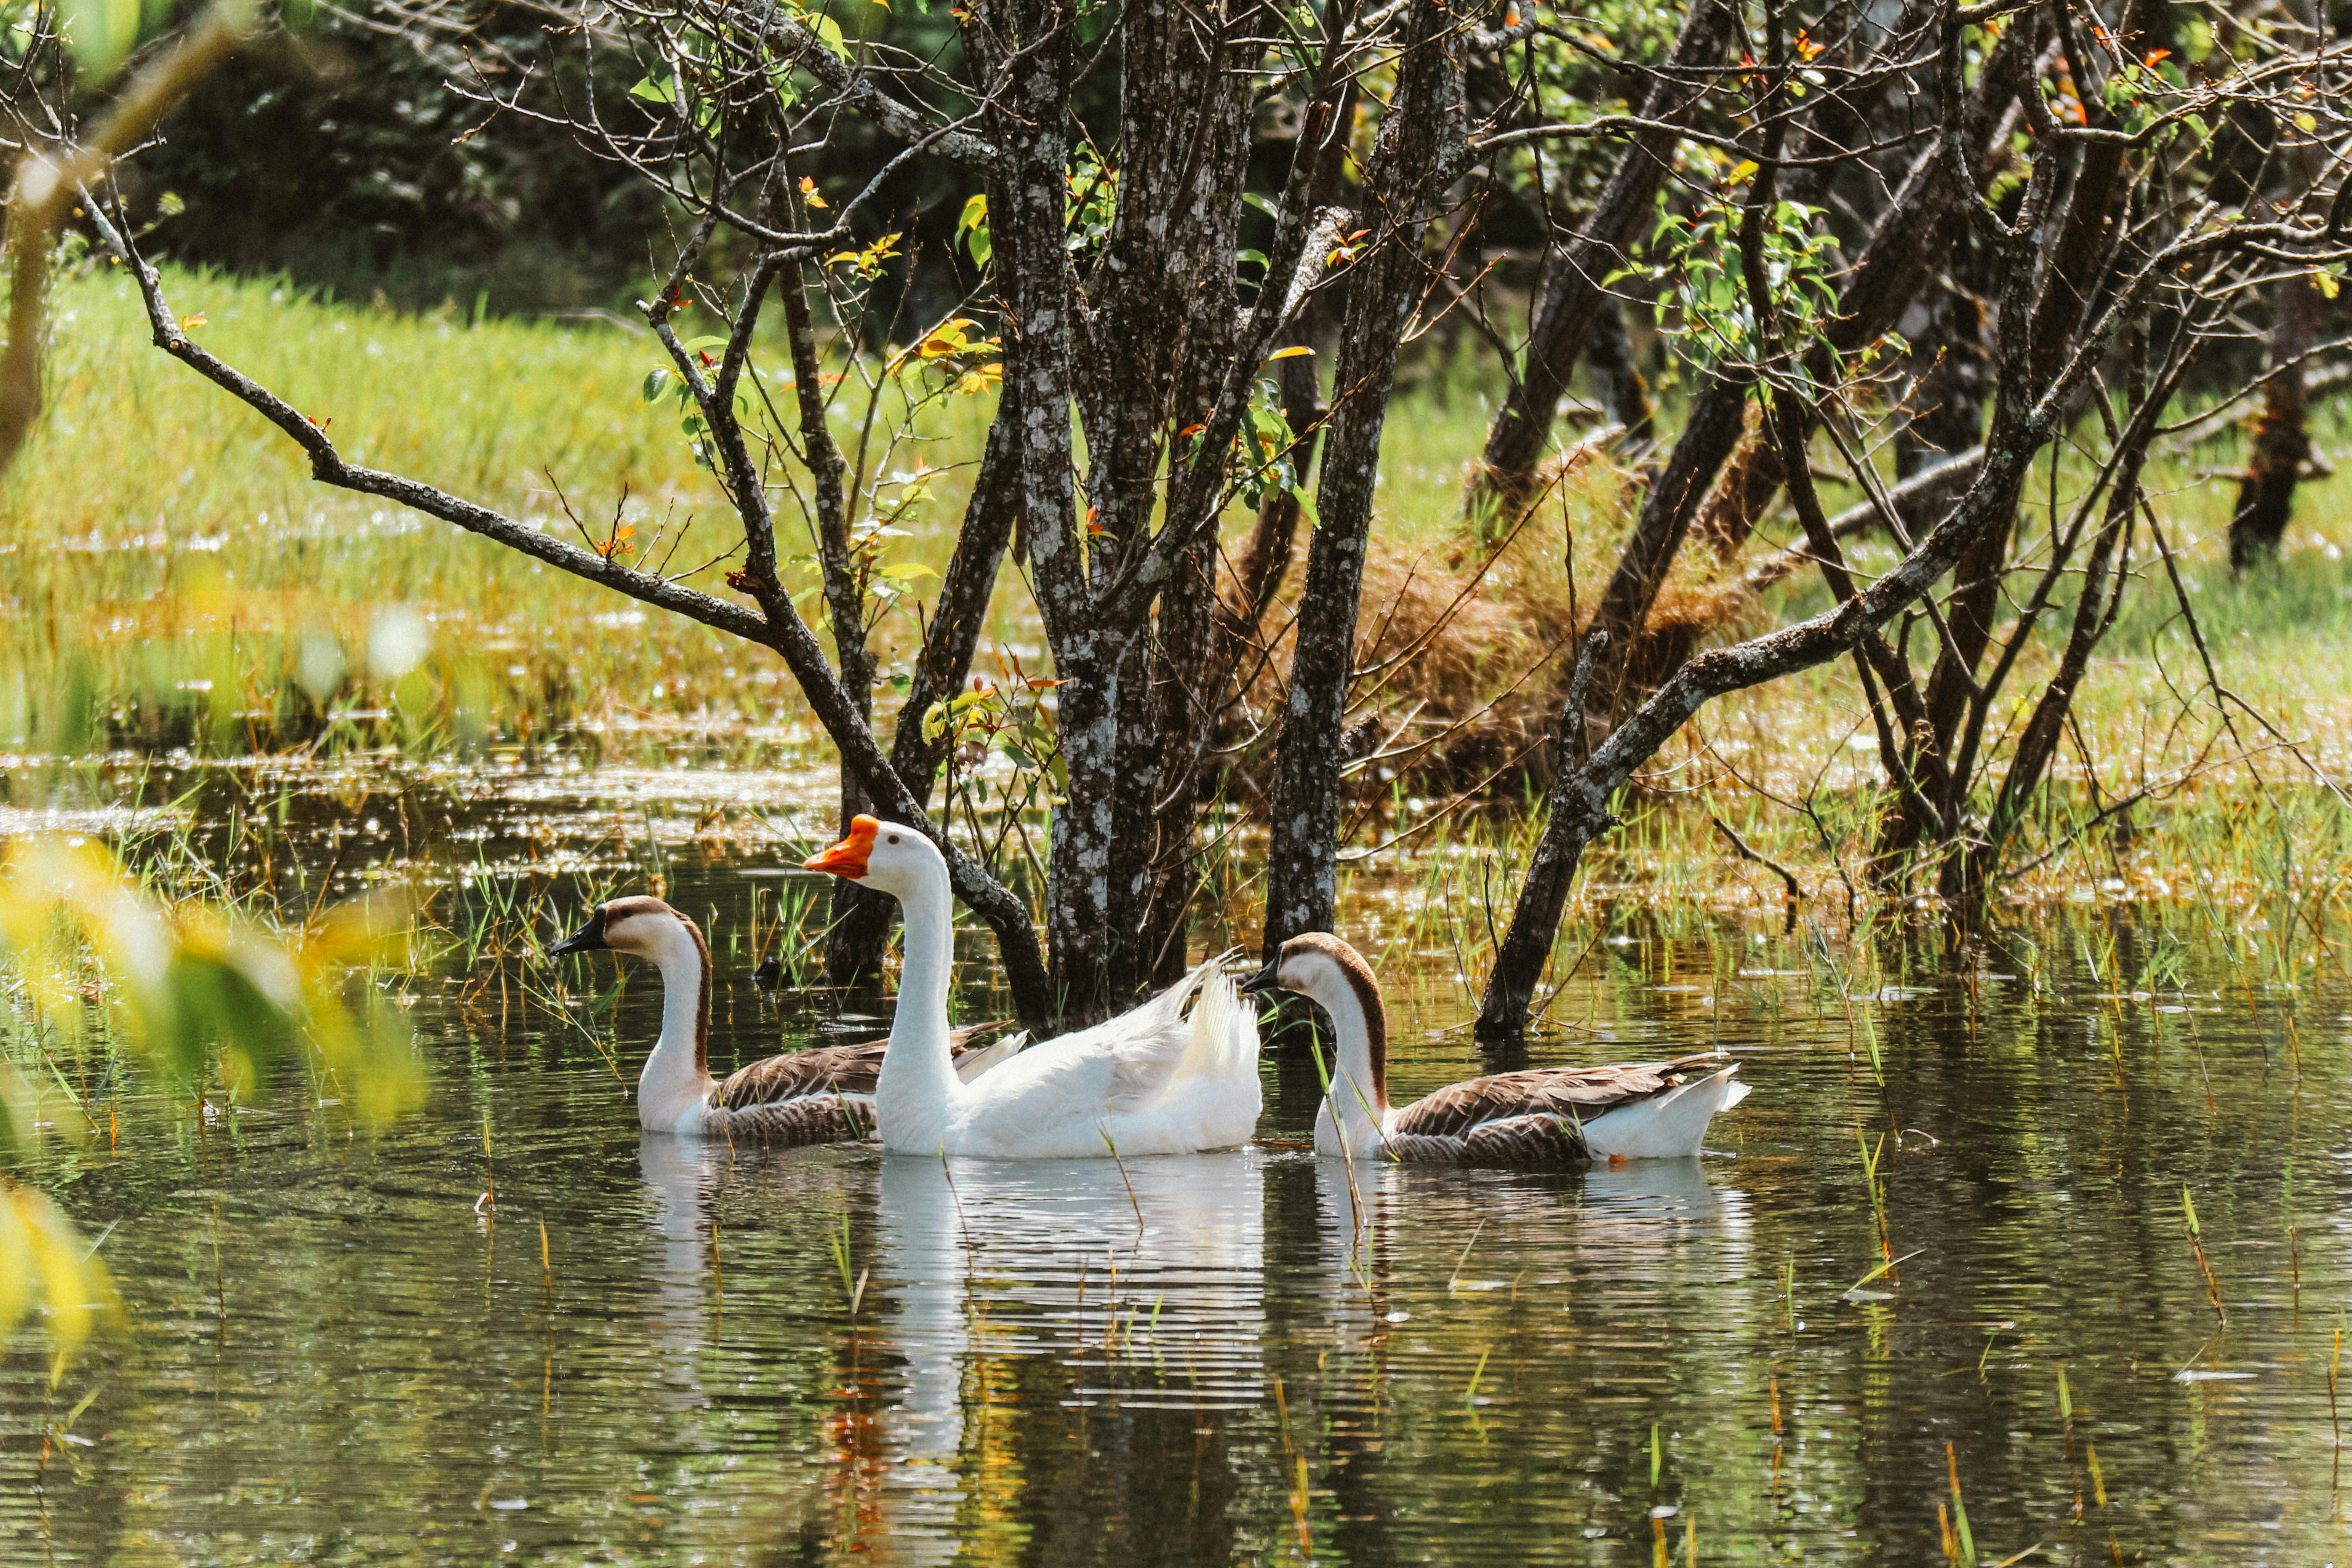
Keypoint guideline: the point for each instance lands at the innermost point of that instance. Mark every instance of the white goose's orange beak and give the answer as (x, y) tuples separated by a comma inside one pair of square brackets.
[(847, 859)]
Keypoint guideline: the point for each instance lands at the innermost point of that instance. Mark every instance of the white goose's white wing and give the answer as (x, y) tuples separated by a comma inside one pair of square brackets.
[(971, 1064), (1178, 1072), (1205, 1093), (1163, 1040), (1121, 1065)]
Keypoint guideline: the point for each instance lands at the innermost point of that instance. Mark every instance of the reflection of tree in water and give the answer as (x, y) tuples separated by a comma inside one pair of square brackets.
[(1054, 1480), (858, 1445)]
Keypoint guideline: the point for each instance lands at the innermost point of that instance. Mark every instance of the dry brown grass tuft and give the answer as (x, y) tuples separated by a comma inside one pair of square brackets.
[(1464, 643)]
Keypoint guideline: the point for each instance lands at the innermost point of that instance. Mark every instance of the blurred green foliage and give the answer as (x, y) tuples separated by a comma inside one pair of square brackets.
[(91, 958)]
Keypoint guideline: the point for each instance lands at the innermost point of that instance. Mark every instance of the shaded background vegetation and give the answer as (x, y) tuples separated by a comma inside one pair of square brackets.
[(345, 162)]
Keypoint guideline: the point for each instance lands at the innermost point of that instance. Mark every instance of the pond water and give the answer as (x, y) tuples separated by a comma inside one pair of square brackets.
[(338, 1351)]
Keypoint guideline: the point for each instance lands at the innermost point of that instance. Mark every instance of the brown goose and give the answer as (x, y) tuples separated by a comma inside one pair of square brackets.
[(820, 1095), (1547, 1116)]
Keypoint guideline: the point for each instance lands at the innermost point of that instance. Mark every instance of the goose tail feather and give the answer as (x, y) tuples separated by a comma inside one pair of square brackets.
[(971, 1064), (1225, 1032), (1669, 1126)]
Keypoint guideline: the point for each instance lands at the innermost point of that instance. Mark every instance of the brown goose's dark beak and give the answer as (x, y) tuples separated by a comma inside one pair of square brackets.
[(1264, 979), (585, 940)]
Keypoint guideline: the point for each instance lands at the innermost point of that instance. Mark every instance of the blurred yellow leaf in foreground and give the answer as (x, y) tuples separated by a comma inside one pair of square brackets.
[(198, 995), (39, 1250)]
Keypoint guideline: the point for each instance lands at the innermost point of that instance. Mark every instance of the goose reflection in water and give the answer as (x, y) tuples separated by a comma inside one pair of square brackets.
[(1101, 1267), (1096, 1342), (1641, 1224), (680, 1177), (1135, 1288), (1129, 1285)]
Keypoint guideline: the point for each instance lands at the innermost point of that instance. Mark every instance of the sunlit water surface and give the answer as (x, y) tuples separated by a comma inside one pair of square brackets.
[(338, 1349)]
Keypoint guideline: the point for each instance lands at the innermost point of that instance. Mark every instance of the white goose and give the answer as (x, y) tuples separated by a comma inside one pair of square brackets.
[(1547, 1116), (1177, 1075), (820, 1096)]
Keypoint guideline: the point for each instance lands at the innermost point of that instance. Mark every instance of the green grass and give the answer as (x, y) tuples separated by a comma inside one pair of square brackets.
[(168, 558), (172, 576)]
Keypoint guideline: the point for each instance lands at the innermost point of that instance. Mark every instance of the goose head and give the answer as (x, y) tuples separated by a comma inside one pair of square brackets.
[(643, 925), (1320, 967), (887, 855), (1329, 973)]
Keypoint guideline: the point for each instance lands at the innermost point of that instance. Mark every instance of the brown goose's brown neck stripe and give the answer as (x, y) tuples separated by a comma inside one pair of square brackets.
[(702, 1003), (1366, 987)]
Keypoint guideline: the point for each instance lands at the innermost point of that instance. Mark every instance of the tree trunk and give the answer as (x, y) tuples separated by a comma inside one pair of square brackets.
[(1923, 222), (1264, 559), (1031, 45), (850, 954), (1406, 175), (1946, 399), (1186, 685), (1969, 872), (1624, 394), (1717, 419), (1573, 294), (2278, 447), (1172, 303), (1907, 246), (1577, 802), (2078, 258)]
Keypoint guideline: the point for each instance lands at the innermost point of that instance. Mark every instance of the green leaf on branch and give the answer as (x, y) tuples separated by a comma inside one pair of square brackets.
[(972, 228), (828, 33)]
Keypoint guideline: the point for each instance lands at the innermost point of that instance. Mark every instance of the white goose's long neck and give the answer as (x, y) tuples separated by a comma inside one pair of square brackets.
[(917, 1089), (1357, 1106), (677, 1077)]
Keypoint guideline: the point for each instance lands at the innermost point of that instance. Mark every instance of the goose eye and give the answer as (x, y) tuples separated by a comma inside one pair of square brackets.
[(894, 839)]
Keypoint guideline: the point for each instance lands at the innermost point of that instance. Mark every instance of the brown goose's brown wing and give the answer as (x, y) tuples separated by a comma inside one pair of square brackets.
[(1568, 1094), (829, 1071), (795, 1123), (1541, 1141)]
